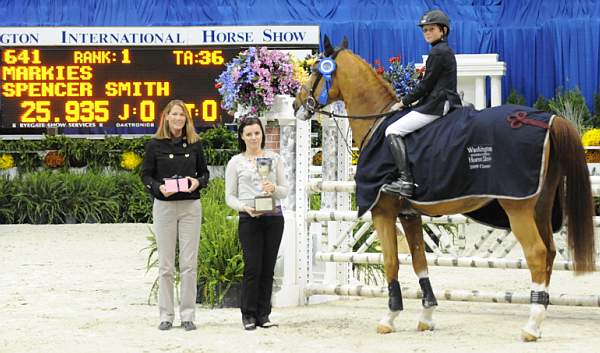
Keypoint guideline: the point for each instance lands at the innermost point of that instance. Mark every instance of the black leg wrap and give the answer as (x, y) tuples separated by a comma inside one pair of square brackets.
[(428, 300), (395, 296), (540, 297)]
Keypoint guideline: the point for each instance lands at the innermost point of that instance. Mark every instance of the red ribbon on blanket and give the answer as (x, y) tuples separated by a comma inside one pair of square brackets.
[(518, 119)]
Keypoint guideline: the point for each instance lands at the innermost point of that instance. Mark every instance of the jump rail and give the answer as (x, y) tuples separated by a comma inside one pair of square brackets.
[(454, 295), (438, 260)]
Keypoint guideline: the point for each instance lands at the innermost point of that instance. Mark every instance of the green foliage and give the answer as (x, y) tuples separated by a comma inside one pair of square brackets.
[(98, 154), (7, 213), (39, 198), (220, 138), (515, 98), (134, 200), (218, 156), (219, 145), (596, 118), (571, 105), (314, 202), (59, 197), (541, 104), (220, 262)]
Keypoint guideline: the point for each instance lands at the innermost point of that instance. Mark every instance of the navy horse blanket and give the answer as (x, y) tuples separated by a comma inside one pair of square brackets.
[(496, 152)]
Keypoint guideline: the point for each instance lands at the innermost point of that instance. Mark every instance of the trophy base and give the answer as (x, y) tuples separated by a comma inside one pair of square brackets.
[(263, 204)]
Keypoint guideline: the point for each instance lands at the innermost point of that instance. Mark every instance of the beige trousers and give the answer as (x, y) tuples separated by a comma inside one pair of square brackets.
[(173, 219)]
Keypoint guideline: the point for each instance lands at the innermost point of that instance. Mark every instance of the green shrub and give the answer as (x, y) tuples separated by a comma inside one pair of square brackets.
[(59, 197), (7, 213), (515, 98), (39, 198), (134, 200), (219, 138), (541, 104), (220, 262), (571, 105), (596, 118)]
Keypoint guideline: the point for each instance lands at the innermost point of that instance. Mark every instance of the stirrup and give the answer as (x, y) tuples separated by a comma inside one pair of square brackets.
[(400, 187)]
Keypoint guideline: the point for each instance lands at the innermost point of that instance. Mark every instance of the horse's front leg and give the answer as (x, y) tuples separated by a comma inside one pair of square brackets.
[(414, 236), (384, 220)]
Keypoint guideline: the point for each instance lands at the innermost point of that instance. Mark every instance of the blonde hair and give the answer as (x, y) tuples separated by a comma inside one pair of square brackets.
[(164, 132)]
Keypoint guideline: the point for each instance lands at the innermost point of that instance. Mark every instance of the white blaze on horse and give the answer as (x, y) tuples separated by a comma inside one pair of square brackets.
[(564, 175)]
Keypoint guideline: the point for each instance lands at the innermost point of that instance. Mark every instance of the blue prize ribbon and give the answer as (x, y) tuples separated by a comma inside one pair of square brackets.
[(326, 68)]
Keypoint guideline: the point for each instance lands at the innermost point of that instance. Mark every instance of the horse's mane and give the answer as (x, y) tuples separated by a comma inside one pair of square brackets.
[(378, 77)]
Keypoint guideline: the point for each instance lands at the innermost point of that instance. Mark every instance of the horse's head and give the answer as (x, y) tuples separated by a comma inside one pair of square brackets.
[(320, 89)]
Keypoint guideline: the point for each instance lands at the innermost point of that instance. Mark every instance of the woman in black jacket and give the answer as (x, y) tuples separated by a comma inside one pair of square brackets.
[(435, 93), (174, 170)]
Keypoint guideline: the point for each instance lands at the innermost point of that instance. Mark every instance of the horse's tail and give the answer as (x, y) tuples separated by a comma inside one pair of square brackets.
[(579, 205)]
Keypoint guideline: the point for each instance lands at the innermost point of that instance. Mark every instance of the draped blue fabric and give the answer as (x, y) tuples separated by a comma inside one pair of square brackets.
[(546, 44)]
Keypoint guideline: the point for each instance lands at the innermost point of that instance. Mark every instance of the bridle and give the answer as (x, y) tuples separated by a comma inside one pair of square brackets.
[(313, 105)]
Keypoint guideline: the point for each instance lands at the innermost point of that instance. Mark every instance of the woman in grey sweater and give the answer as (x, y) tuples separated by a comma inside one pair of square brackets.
[(257, 198)]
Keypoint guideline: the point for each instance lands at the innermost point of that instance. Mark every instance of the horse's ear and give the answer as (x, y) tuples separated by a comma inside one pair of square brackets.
[(328, 49), (345, 42)]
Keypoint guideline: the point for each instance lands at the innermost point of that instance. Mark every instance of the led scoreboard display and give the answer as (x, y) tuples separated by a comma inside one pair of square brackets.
[(108, 88)]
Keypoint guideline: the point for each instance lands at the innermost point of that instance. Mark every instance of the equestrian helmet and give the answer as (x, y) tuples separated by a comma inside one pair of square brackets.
[(435, 17)]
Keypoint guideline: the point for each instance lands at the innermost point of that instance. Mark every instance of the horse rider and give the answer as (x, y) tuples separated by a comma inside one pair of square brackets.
[(435, 93)]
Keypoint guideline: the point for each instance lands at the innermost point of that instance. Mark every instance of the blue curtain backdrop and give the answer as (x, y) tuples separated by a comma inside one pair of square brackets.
[(546, 44)]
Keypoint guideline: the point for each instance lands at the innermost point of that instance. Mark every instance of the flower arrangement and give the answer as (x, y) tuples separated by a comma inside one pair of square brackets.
[(591, 138), (6, 161), (402, 78), (303, 68), (253, 78), (53, 159), (130, 160)]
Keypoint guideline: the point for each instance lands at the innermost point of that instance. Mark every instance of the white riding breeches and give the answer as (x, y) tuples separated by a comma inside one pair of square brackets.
[(410, 122), (413, 121)]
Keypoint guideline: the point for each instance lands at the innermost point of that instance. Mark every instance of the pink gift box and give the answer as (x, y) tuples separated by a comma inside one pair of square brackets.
[(171, 185), (183, 184)]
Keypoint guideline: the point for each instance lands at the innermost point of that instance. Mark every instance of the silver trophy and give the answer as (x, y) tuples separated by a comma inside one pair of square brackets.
[(264, 202)]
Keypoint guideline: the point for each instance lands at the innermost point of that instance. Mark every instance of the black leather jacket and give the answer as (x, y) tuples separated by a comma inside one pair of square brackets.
[(169, 158), (439, 83)]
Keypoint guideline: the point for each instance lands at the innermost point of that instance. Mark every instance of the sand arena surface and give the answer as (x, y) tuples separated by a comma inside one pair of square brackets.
[(83, 288)]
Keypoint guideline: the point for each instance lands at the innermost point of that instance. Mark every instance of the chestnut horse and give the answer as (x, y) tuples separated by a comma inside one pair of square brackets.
[(565, 175)]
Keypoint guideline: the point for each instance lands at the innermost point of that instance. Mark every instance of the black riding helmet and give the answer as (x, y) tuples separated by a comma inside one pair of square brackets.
[(435, 17)]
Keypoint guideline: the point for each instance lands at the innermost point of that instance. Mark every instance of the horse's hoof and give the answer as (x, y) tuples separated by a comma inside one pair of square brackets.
[(527, 336), (384, 329), (425, 326)]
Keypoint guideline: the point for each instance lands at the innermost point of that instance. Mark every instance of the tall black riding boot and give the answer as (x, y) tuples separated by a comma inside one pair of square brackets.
[(405, 185)]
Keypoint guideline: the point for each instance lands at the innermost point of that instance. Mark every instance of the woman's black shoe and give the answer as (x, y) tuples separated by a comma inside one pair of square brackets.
[(165, 325), (249, 323), (188, 325), (264, 322)]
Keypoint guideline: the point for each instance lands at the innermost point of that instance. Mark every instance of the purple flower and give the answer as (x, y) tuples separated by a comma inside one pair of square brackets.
[(254, 77)]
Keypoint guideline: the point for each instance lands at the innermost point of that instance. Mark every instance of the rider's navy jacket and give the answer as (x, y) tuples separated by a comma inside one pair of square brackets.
[(438, 83)]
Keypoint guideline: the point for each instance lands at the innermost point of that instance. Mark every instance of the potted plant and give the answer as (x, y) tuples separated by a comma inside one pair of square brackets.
[(252, 80)]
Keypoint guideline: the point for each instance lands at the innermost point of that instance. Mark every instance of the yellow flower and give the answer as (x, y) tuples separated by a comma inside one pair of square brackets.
[(591, 137), (299, 73), (130, 160), (354, 157), (6, 161)]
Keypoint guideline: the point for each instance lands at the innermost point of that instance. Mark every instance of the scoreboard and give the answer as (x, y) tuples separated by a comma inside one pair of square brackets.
[(108, 87), (117, 80)]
